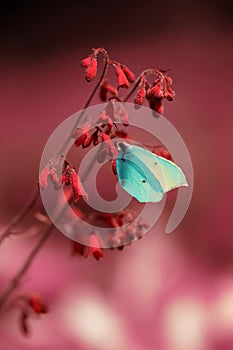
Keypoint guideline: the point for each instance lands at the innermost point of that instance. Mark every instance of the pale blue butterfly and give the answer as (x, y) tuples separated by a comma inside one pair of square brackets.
[(145, 175)]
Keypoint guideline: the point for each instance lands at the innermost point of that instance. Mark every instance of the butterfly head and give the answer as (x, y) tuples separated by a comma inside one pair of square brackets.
[(122, 146)]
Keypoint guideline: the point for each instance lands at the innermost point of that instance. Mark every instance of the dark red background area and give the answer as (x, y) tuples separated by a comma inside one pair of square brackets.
[(162, 284)]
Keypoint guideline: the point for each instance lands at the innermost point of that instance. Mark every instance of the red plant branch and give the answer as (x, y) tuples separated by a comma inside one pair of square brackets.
[(125, 76), (30, 204)]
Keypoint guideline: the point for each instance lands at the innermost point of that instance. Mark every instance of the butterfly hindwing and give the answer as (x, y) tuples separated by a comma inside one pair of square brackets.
[(166, 172), (145, 175), (135, 178)]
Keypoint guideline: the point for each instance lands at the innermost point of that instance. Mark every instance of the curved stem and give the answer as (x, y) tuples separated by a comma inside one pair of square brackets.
[(17, 278), (20, 215), (149, 71), (104, 72)]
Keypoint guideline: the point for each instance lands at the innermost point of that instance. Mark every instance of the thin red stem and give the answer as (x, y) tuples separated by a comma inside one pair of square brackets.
[(18, 218), (20, 215)]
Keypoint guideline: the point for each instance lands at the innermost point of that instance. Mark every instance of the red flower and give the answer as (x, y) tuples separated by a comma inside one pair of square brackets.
[(156, 105), (94, 248), (117, 239), (43, 178), (142, 223), (87, 141), (55, 179), (110, 148), (122, 135), (66, 179), (86, 61), (81, 135), (139, 99), (105, 88), (163, 153), (170, 94), (168, 80), (129, 74), (122, 79), (157, 90), (36, 302), (91, 70), (78, 190), (105, 120)]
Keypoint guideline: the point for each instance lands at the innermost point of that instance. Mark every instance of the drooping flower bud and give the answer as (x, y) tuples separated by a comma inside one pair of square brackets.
[(129, 74), (139, 99), (91, 70), (86, 61), (43, 178), (122, 79)]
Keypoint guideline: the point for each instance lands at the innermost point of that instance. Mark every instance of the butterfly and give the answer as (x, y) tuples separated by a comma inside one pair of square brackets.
[(145, 175)]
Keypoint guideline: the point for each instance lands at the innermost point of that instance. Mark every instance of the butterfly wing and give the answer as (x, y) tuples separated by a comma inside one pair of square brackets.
[(136, 179), (167, 173)]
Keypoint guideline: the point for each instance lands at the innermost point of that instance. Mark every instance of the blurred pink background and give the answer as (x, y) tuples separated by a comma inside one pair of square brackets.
[(165, 292)]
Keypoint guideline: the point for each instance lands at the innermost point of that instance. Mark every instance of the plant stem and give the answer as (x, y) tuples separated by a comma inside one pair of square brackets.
[(149, 71), (31, 202), (17, 278), (20, 215)]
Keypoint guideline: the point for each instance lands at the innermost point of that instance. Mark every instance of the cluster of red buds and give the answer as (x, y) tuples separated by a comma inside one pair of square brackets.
[(155, 92), (32, 304), (90, 63), (94, 247), (69, 177), (126, 228), (124, 75)]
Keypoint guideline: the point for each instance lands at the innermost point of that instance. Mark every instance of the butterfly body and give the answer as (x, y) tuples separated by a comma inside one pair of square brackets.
[(145, 175)]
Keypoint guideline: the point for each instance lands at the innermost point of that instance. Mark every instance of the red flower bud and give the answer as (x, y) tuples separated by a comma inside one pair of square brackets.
[(43, 178), (122, 80), (142, 223), (66, 179), (91, 70), (109, 146), (164, 153), (122, 135), (80, 135), (87, 141), (156, 105), (140, 96), (105, 88), (169, 80), (157, 90), (170, 94), (86, 61), (94, 247), (37, 304), (78, 190), (129, 74), (55, 179)]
